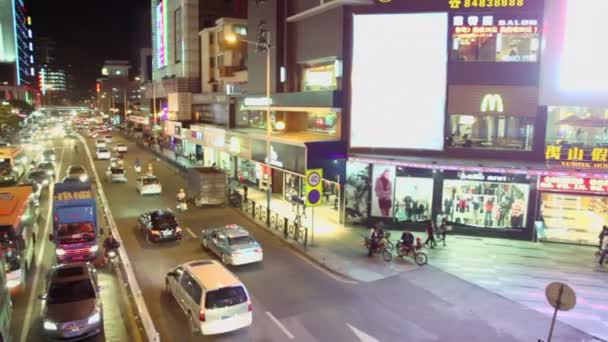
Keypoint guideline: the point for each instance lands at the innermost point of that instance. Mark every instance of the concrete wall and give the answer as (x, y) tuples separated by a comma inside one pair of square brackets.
[(266, 12)]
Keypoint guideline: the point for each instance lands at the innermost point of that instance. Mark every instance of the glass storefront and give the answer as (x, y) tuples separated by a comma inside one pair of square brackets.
[(357, 192), (485, 203), (247, 171), (323, 122), (489, 38), (413, 198), (577, 126), (573, 218), (491, 131), (293, 186)]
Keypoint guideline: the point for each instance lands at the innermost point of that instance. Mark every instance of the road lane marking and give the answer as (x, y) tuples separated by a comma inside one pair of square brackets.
[(191, 233), (323, 270), (363, 337), (30, 302), (280, 325)]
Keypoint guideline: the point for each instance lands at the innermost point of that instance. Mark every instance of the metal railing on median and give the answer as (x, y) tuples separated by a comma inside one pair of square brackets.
[(290, 228), (142, 310)]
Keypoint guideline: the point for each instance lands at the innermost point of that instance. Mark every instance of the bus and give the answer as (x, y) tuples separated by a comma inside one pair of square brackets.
[(6, 305), (18, 222), (13, 163)]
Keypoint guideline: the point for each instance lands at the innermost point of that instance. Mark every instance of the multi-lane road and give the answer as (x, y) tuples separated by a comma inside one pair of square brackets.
[(293, 299)]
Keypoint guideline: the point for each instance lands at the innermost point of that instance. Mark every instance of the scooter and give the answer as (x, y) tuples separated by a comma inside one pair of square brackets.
[(112, 259), (182, 205)]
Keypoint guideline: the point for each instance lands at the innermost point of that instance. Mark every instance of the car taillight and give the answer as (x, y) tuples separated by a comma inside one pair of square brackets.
[(201, 315), (258, 250), (249, 306)]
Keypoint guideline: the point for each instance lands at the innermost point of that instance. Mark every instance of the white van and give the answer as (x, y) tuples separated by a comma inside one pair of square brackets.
[(213, 298)]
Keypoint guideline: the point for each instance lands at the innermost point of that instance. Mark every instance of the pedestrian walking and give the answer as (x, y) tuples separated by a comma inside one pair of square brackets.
[(603, 234), (443, 229), (430, 235), (245, 192), (603, 252)]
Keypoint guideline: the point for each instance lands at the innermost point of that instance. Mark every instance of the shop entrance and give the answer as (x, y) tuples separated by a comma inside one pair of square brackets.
[(573, 218), (277, 181)]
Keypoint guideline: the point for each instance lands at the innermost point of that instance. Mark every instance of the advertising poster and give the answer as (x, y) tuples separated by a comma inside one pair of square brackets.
[(357, 191), (573, 218), (413, 198), (383, 183), (485, 201)]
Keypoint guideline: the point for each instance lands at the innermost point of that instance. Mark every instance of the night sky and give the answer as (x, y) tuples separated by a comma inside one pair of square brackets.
[(88, 32)]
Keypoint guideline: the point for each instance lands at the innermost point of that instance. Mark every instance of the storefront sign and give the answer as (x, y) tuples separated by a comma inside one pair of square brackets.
[(577, 157), (574, 184), (481, 177), (257, 101), (457, 4), (515, 101)]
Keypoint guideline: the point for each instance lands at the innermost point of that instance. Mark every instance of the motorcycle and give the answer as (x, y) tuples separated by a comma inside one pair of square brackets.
[(182, 205), (381, 247), (420, 258), (112, 259)]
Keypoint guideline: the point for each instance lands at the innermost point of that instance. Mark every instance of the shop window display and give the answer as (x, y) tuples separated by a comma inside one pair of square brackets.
[(383, 186), (293, 186), (413, 198), (485, 38), (247, 172), (485, 204), (577, 126), (505, 132), (322, 122), (357, 191), (573, 218)]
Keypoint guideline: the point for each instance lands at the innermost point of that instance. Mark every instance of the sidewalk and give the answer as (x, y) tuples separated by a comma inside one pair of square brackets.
[(516, 270)]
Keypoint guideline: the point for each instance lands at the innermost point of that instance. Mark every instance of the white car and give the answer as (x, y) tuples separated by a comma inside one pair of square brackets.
[(116, 174), (213, 298), (148, 185), (116, 162), (120, 148), (103, 153), (108, 139), (100, 143)]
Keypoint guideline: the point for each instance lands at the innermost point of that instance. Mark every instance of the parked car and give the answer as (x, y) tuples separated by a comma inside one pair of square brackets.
[(148, 185), (103, 153), (159, 225), (214, 300), (72, 305), (233, 244), (116, 174)]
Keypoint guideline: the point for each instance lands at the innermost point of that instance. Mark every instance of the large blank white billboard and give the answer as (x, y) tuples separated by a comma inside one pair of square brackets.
[(574, 71), (398, 82)]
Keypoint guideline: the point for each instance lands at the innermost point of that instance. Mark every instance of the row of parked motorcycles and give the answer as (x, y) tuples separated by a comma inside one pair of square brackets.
[(386, 247)]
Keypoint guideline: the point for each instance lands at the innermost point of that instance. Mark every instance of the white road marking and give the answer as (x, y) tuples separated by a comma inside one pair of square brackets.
[(280, 325), (191, 233), (363, 337), (30, 301), (323, 270)]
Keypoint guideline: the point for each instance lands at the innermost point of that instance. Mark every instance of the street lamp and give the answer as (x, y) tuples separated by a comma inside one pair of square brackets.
[(233, 39)]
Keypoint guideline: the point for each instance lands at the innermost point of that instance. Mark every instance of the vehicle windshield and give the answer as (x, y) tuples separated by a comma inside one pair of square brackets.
[(73, 291), (240, 240), (76, 232), (150, 181), (103, 150), (116, 170), (227, 296)]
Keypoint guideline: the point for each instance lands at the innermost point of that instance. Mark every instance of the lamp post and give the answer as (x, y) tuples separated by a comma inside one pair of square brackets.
[(232, 39)]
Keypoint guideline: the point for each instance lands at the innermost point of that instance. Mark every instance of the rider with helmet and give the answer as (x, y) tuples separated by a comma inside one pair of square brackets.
[(109, 244)]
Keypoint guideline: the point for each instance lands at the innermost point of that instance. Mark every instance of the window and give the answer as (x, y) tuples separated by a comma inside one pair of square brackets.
[(577, 126), (191, 287), (240, 30), (488, 38), (227, 296), (319, 77), (177, 21), (503, 132)]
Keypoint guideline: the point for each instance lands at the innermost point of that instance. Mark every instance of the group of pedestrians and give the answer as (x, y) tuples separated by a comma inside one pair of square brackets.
[(438, 229)]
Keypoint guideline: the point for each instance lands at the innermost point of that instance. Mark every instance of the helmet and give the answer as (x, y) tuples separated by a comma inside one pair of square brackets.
[(181, 190)]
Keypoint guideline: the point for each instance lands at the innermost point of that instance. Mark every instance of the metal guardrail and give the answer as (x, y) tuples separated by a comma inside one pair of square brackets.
[(142, 310), (290, 228)]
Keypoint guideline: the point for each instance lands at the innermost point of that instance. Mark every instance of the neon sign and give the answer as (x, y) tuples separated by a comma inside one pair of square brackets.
[(161, 34), (492, 103), (573, 184)]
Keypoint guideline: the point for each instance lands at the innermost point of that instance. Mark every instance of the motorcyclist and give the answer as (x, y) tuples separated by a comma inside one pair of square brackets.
[(181, 196), (137, 162), (109, 244), (407, 239), (375, 236)]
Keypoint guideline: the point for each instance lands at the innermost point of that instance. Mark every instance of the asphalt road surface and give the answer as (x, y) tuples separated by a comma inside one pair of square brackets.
[(26, 323), (295, 300)]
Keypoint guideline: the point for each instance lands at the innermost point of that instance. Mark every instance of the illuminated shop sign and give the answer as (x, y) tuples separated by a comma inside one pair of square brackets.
[(457, 4), (492, 103), (258, 101), (577, 157), (489, 24), (573, 184), (161, 34), (482, 177)]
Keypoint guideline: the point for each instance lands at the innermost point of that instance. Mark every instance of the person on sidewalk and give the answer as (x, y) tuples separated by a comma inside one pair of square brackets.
[(371, 243), (443, 229), (245, 192), (603, 252), (603, 234), (430, 235)]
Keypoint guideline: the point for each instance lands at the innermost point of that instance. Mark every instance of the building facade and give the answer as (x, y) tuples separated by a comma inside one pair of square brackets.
[(17, 62)]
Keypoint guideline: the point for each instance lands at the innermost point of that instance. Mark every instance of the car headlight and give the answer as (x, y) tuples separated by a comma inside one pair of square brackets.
[(94, 249), (60, 252), (84, 178), (48, 325), (95, 317)]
